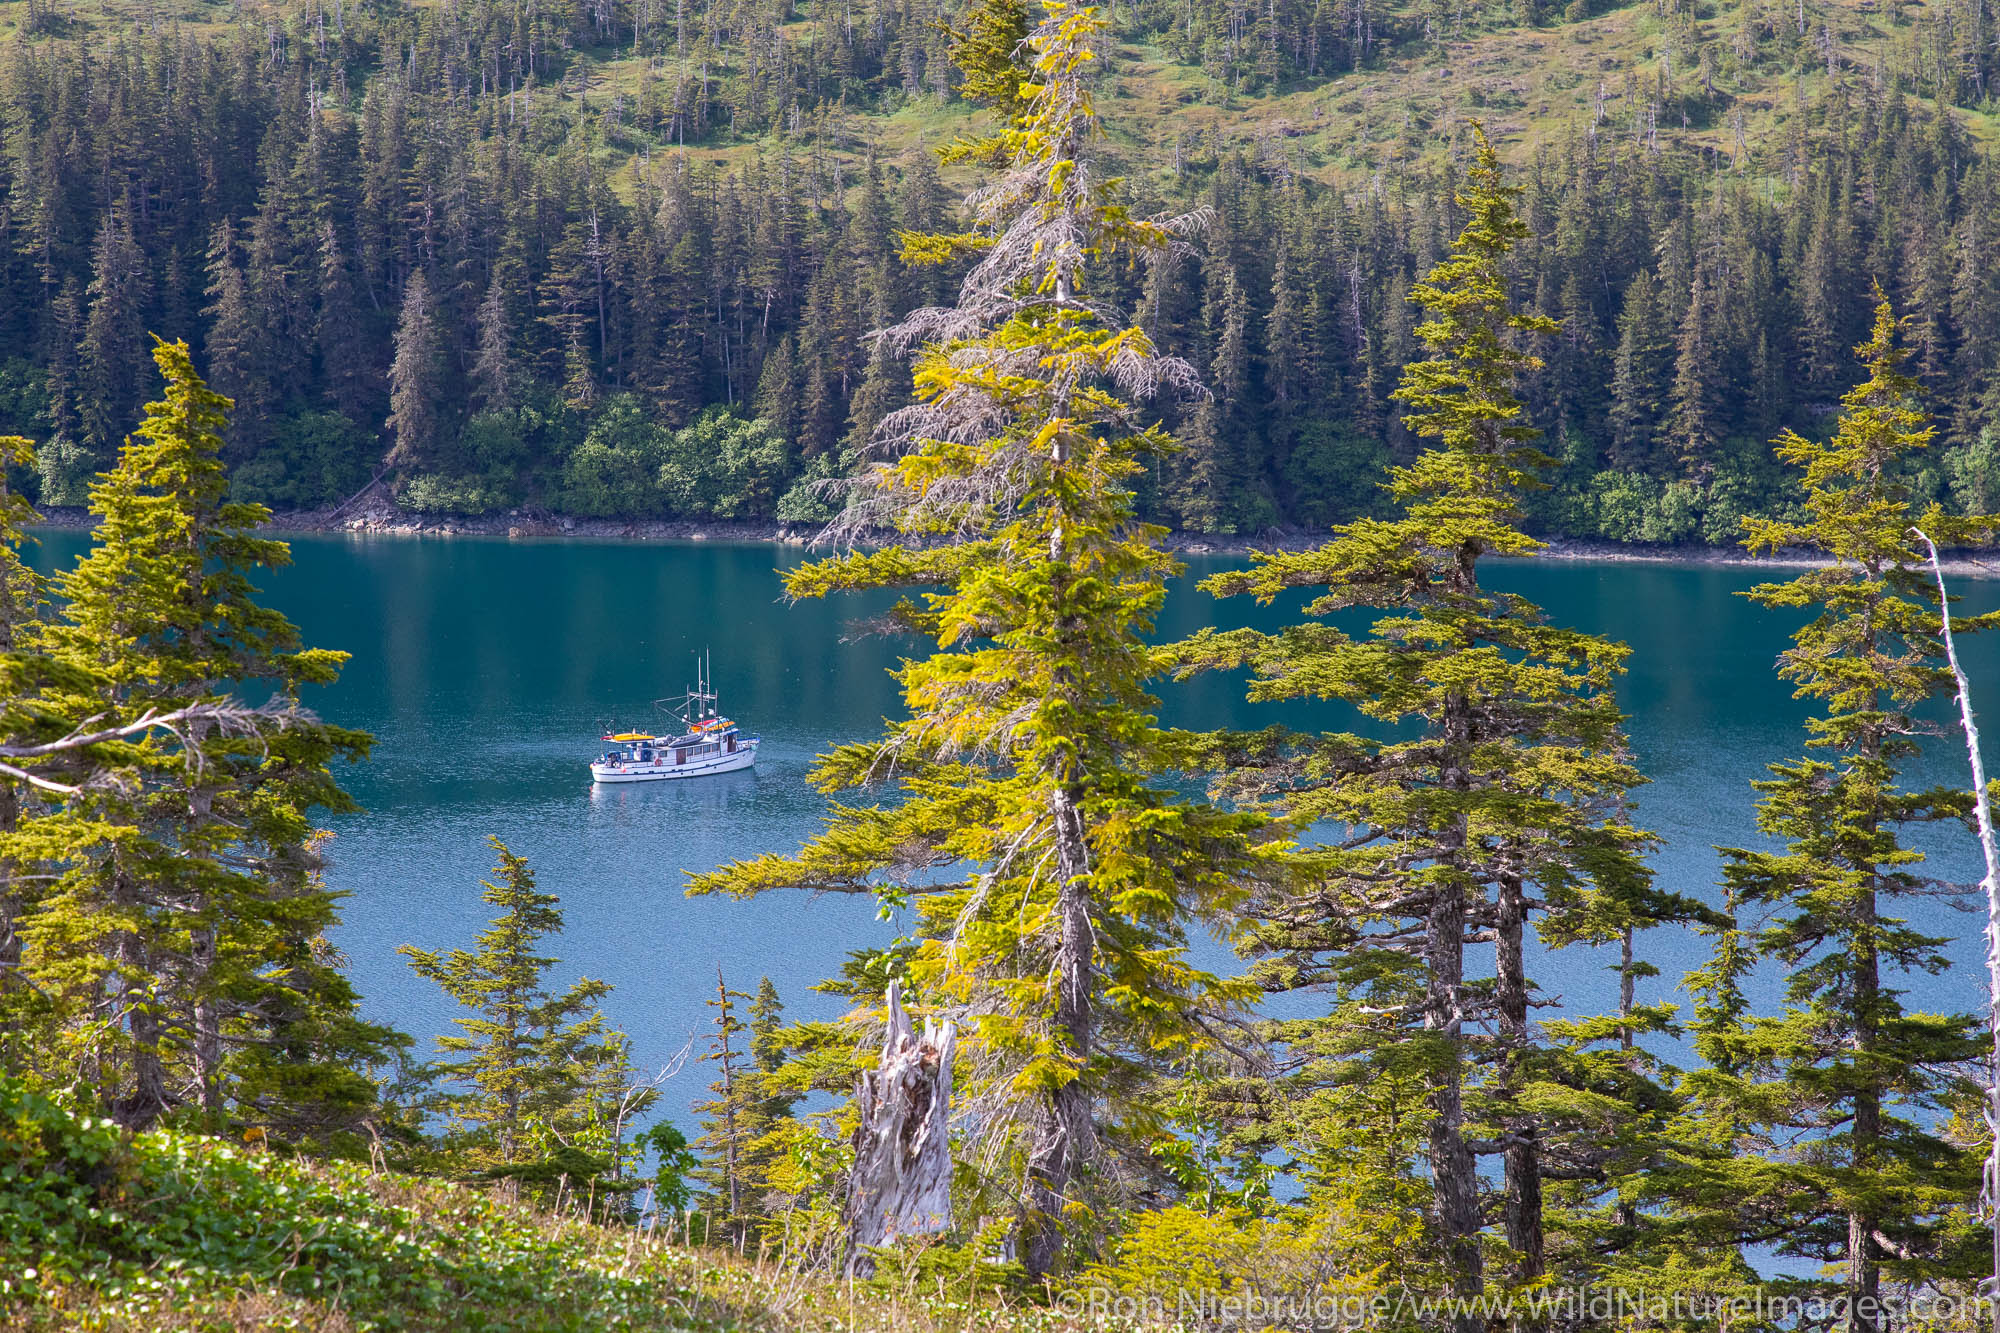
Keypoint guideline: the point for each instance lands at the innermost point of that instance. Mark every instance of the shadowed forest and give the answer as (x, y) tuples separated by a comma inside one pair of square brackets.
[(619, 259)]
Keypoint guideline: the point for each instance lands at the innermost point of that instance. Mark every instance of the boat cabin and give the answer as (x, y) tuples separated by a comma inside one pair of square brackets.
[(714, 737)]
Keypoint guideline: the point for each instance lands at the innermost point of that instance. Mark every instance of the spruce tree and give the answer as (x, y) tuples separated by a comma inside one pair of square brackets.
[(518, 1076), (1503, 797), (777, 399), (1693, 426), (493, 366), (181, 938), (109, 354), (234, 346), (65, 464), (416, 377), (1057, 871), (724, 1145), (23, 672), (351, 375), (1829, 1111), (769, 1114), (988, 54), (1640, 374)]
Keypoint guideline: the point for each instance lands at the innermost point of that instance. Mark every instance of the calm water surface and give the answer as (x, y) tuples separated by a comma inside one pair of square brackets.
[(486, 670)]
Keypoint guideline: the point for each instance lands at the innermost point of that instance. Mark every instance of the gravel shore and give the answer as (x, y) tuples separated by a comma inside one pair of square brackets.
[(377, 514)]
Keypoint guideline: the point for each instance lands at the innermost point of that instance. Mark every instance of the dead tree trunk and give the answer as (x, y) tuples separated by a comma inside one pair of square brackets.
[(901, 1184), (1982, 809)]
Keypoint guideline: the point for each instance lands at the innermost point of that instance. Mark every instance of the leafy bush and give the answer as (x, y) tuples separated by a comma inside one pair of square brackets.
[(24, 398), (1626, 505), (723, 465), (1567, 505), (718, 465), (433, 494), (1972, 471), (613, 473), (67, 467), (313, 459), (1748, 480), (494, 444), (814, 497)]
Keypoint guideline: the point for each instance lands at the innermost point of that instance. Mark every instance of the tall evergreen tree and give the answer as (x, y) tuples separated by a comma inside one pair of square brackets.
[(493, 366), (724, 1145), (347, 361), (64, 462), (182, 937), (416, 377), (1504, 798), (235, 344), (988, 54), (1833, 1106), (1032, 772), (109, 354), (1640, 376), (1694, 427), (777, 399), (769, 1114), (23, 673)]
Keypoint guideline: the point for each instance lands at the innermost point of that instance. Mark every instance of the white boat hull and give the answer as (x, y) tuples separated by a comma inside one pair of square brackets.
[(667, 770)]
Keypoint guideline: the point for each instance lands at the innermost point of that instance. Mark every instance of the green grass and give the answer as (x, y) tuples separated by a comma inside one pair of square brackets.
[(100, 1229)]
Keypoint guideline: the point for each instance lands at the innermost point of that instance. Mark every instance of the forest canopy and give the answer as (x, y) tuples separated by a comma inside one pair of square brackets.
[(507, 255)]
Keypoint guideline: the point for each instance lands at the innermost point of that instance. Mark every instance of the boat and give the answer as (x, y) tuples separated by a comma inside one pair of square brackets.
[(705, 743)]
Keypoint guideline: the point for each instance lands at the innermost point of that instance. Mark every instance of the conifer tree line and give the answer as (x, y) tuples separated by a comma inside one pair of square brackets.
[(425, 243), (1430, 1124), (1427, 1131)]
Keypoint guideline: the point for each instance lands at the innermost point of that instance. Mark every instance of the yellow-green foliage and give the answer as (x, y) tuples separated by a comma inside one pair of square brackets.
[(1341, 1257), (101, 1229), (1031, 767)]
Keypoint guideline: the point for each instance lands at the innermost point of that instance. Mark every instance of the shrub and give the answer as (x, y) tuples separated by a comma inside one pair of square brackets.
[(66, 468), (816, 497), (313, 459), (1972, 472), (24, 398), (614, 472), (494, 444), (722, 465), (430, 493)]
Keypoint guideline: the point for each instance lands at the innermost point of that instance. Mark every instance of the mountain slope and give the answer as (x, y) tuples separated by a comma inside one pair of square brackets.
[(618, 260)]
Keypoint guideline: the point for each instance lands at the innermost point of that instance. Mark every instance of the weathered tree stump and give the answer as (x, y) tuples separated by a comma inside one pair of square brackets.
[(901, 1184)]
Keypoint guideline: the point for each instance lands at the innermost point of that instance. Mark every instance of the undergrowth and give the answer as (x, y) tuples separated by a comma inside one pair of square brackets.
[(103, 1229)]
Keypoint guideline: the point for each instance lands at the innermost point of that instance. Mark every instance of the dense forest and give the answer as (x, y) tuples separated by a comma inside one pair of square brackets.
[(619, 260), (198, 1122)]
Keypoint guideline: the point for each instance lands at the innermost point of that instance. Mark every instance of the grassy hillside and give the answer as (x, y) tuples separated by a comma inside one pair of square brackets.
[(1725, 79), (104, 1230)]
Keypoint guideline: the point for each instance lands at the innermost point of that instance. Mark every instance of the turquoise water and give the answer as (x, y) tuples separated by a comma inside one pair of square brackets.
[(487, 669)]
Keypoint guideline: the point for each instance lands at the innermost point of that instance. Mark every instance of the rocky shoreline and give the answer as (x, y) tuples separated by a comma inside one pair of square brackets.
[(380, 516)]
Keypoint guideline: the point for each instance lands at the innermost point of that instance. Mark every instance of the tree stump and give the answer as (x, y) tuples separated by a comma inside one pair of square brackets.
[(901, 1184)]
